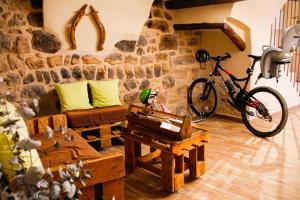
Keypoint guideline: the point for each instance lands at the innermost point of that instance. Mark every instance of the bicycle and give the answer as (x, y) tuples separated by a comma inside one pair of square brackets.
[(263, 109), (149, 98)]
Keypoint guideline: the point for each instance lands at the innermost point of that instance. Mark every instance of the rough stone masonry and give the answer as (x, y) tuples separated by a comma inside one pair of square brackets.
[(32, 61)]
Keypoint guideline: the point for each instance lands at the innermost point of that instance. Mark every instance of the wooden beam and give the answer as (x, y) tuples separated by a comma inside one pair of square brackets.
[(226, 28), (195, 26), (148, 166), (149, 157), (235, 38), (179, 4)]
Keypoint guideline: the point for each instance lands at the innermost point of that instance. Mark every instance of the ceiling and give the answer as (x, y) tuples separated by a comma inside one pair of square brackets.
[(179, 4)]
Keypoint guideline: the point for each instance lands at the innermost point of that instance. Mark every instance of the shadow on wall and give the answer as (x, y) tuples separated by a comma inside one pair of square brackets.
[(217, 43), (49, 104)]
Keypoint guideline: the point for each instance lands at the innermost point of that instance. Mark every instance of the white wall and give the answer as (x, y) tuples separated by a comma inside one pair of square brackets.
[(122, 19), (259, 19), (258, 15)]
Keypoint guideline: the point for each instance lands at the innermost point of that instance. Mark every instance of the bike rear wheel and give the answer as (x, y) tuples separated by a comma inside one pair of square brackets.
[(203, 97), (264, 112)]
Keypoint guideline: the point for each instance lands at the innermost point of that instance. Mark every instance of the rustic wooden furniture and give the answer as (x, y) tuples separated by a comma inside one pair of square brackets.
[(98, 125), (177, 153), (108, 168)]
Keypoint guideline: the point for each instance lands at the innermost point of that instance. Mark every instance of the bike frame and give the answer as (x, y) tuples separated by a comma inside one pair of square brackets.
[(234, 79)]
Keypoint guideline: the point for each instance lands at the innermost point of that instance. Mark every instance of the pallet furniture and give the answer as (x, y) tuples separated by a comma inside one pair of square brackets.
[(103, 134), (98, 125), (108, 168), (176, 153)]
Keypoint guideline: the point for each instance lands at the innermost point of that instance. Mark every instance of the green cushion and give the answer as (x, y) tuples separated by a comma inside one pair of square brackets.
[(73, 96), (105, 93)]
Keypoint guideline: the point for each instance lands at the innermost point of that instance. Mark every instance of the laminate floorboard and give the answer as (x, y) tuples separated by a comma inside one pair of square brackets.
[(239, 165)]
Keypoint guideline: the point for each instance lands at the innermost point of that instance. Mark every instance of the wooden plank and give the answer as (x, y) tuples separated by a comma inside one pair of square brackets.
[(141, 139), (201, 153), (87, 193), (130, 159), (150, 156), (113, 188), (59, 121), (195, 26), (197, 161), (226, 28), (105, 131), (179, 4), (193, 163), (82, 129), (167, 173), (112, 163), (135, 108), (177, 148), (234, 37), (179, 164), (43, 122), (31, 126), (148, 166), (178, 180)]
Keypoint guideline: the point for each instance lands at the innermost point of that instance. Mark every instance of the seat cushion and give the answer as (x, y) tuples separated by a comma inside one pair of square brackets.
[(73, 96), (96, 116), (105, 93)]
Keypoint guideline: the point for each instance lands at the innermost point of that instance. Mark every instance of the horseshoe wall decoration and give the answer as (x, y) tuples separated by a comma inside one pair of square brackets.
[(100, 27), (98, 22), (74, 24)]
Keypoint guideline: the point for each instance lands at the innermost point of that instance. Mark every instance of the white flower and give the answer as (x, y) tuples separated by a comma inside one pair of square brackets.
[(14, 160), (48, 132), (28, 144), (28, 112)]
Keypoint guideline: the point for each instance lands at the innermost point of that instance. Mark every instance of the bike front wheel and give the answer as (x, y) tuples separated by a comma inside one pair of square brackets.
[(203, 97), (264, 112)]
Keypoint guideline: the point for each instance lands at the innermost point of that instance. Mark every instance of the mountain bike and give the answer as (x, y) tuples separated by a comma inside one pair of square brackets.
[(263, 109)]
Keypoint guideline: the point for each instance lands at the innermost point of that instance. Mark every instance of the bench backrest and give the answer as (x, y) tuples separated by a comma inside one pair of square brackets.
[(38, 125)]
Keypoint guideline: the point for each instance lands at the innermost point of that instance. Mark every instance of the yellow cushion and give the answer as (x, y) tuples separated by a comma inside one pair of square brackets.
[(73, 96), (6, 143), (105, 93)]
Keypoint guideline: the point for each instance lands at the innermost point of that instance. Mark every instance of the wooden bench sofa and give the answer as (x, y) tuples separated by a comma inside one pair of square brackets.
[(98, 125), (108, 168)]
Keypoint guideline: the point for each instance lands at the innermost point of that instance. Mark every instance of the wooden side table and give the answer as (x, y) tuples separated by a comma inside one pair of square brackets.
[(175, 156)]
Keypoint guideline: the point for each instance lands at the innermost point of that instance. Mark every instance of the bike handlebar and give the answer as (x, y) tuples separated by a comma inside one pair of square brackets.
[(221, 58)]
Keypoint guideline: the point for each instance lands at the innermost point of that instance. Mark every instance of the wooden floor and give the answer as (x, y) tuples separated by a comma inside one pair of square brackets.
[(239, 166)]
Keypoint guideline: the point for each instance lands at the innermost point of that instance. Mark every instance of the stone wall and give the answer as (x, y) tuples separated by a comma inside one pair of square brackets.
[(32, 61)]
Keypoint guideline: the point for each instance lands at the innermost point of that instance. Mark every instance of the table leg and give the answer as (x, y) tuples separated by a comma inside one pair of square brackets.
[(113, 188), (132, 151), (172, 174), (197, 161)]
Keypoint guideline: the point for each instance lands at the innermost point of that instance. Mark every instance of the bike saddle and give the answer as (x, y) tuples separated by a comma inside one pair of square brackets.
[(255, 57)]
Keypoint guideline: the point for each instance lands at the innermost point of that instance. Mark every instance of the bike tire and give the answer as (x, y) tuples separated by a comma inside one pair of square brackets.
[(284, 111), (212, 91)]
